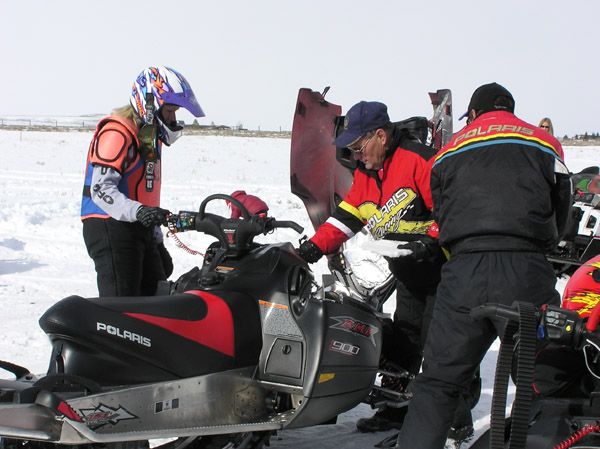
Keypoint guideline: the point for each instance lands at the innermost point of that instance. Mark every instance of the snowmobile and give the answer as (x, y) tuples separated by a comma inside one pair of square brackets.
[(231, 352), (581, 241), (242, 346), (553, 356)]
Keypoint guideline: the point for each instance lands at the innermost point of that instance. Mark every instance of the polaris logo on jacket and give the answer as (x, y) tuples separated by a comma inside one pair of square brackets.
[(125, 335)]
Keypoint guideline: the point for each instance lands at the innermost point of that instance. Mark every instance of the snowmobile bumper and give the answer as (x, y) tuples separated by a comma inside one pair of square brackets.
[(35, 422), (30, 422), (220, 403)]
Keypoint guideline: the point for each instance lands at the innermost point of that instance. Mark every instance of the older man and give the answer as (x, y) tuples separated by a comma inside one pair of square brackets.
[(391, 196)]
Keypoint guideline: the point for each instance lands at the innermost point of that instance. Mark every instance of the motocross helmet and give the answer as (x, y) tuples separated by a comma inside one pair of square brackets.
[(582, 292), (157, 86)]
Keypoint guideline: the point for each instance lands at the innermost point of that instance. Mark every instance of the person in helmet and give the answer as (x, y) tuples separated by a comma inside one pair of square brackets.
[(120, 207)]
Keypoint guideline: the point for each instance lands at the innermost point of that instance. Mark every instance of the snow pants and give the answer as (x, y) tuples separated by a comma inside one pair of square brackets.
[(404, 347), (404, 337), (456, 344), (127, 257)]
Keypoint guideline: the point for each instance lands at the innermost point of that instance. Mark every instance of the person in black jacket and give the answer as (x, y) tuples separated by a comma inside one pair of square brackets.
[(501, 196)]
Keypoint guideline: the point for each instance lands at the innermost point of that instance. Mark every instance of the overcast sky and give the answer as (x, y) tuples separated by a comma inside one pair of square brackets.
[(246, 60)]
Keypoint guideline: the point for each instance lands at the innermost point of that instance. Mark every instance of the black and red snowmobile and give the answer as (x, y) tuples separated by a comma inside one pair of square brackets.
[(234, 350), (243, 346), (553, 356)]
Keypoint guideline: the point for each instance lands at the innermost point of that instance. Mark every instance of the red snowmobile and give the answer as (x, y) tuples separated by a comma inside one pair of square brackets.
[(555, 354)]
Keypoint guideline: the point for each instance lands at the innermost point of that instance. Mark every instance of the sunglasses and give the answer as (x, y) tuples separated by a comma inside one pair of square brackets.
[(545, 127), (362, 147)]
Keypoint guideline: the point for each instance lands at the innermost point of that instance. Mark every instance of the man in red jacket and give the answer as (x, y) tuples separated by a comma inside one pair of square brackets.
[(391, 197)]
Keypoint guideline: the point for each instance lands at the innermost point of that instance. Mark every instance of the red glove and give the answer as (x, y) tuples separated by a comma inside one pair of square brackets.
[(254, 204)]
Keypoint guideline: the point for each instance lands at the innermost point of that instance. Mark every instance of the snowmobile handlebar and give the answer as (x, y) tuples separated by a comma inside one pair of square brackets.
[(495, 310), (186, 221), (234, 234), (228, 198), (287, 224), (561, 326)]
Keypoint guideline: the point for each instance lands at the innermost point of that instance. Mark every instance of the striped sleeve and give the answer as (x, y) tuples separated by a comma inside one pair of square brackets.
[(342, 225)]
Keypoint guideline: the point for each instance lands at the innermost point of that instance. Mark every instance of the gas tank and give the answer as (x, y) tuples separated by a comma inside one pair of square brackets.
[(271, 272)]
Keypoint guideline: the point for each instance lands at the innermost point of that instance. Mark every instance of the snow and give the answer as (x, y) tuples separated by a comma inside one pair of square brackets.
[(43, 258)]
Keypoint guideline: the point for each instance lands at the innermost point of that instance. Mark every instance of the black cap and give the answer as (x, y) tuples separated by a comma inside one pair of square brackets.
[(491, 97)]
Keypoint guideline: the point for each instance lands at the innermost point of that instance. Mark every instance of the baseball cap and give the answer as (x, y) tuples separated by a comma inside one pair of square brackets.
[(491, 97), (361, 118)]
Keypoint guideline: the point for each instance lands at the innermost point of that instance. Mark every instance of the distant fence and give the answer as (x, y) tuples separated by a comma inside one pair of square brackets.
[(89, 124), (46, 123)]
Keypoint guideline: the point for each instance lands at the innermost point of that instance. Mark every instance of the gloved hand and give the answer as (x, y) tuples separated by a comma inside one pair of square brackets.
[(150, 216), (254, 204), (310, 252), (418, 249)]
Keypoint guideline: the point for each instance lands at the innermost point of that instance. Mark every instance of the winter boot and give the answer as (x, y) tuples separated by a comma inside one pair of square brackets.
[(384, 419), (457, 436), (462, 427)]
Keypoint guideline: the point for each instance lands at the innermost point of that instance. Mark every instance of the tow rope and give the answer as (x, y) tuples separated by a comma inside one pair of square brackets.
[(183, 246)]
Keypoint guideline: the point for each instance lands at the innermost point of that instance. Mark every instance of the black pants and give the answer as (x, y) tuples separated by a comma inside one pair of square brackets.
[(456, 344), (404, 339), (126, 257)]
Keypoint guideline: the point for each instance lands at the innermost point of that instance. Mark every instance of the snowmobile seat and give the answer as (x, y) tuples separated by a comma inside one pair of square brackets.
[(147, 339)]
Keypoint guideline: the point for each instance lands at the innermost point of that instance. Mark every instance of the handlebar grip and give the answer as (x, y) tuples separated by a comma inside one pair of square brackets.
[(494, 310), (288, 224)]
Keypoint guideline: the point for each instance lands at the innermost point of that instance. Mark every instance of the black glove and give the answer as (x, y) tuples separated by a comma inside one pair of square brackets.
[(309, 251), (151, 216), (420, 249)]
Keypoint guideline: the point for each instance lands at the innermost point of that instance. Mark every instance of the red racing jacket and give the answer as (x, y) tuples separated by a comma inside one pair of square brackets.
[(393, 203)]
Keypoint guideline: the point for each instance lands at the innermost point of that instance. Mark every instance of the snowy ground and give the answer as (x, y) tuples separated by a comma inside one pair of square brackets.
[(43, 258)]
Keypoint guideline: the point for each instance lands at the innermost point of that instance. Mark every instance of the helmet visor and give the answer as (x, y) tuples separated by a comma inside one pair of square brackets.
[(185, 99)]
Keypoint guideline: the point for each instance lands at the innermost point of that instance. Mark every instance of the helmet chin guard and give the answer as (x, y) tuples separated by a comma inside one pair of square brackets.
[(168, 132)]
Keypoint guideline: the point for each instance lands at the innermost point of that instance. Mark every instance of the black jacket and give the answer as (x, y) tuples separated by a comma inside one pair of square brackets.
[(500, 184)]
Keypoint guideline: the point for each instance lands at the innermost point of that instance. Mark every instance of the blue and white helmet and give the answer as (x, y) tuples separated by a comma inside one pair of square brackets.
[(157, 86)]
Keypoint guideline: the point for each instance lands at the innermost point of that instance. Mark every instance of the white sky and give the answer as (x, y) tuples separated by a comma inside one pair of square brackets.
[(246, 60)]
